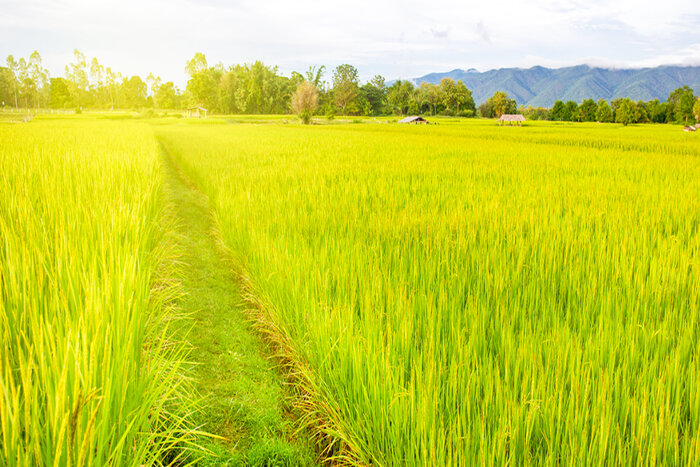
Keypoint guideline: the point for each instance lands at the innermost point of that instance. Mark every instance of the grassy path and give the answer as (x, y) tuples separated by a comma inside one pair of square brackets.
[(243, 396)]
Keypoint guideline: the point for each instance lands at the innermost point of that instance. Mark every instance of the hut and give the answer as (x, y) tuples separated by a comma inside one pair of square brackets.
[(511, 119), (413, 120), (196, 112), (689, 128)]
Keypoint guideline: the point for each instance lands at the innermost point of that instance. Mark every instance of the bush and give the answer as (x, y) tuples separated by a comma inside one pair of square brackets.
[(305, 101)]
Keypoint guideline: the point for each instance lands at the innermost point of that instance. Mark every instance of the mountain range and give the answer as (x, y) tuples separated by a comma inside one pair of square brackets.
[(541, 87)]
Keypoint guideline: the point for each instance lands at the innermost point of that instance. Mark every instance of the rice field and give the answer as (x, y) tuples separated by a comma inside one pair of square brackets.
[(455, 294), (88, 374), (465, 294)]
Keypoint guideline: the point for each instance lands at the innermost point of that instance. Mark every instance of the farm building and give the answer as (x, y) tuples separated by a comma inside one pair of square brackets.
[(196, 112), (413, 120), (511, 119)]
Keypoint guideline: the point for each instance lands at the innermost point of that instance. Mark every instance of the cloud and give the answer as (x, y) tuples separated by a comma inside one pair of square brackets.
[(387, 37), (483, 32), (440, 33)]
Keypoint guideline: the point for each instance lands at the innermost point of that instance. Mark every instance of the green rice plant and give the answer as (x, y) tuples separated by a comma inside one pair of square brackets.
[(465, 294), (88, 372)]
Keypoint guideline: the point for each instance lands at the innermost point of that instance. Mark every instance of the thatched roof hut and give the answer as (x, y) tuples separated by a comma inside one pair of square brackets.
[(196, 112), (511, 119), (413, 120)]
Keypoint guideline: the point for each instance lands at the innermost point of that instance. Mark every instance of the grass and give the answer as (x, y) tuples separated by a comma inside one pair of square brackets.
[(466, 294), (453, 294), (243, 400), (90, 372)]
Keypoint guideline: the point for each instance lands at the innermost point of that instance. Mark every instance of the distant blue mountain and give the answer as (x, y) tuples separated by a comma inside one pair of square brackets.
[(540, 87)]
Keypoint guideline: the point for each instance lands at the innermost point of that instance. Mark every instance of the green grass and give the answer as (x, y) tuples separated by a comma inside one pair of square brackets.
[(466, 294), (243, 401), (90, 372), (453, 294)]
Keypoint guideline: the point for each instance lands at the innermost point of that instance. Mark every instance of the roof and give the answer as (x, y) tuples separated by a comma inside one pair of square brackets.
[(197, 108), (413, 120), (512, 118)]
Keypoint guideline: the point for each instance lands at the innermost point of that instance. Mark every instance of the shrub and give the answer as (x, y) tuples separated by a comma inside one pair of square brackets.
[(305, 101)]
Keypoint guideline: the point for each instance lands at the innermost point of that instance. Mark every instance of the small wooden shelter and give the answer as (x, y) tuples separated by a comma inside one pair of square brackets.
[(690, 128), (416, 119), (196, 112), (511, 119)]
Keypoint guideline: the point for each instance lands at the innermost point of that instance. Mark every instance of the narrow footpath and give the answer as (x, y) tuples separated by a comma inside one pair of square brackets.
[(243, 395)]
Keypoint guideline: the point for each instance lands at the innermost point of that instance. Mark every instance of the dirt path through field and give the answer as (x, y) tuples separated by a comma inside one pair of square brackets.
[(244, 399)]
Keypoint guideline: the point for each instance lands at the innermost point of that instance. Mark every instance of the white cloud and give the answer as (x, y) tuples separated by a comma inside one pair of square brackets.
[(394, 38)]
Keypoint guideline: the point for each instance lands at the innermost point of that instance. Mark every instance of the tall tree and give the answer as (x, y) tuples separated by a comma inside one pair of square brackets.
[(39, 77), (464, 99), (13, 66), (428, 93), (345, 86), (203, 85), (7, 84), (59, 94), (587, 111), (656, 111), (571, 111), (167, 96), (680, 104), (134, 91), (455, 96), (374, 93), (77, 74), (604, 113), (559, 111), (627, 112), (400, 95), (97, 79), (196, 64), (314, 75), (448, 94), (502, 104)]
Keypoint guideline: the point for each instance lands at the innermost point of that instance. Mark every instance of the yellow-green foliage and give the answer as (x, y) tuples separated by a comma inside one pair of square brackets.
[(87, 376), (467, 294)]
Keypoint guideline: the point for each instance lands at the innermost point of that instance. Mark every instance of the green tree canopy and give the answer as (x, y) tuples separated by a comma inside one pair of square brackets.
[(604, 113), (587, 111), (559, 111), (400, 95), (501, 104), (627, 112), (345, 86), (571, 111), (680, 105)]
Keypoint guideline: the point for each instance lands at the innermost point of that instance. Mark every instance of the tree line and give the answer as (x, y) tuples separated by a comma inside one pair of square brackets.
[(682, 106), (257, 88)]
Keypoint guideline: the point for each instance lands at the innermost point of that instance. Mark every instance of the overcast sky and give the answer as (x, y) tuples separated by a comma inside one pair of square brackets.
[(397, 39)]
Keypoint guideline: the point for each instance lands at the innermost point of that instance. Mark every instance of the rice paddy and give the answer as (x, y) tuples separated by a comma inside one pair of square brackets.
[(453, 294)]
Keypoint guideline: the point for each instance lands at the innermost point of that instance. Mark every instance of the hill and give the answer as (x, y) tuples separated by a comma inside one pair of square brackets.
[(540, 87)]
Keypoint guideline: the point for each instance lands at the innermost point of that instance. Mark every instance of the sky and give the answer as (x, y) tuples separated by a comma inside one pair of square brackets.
[(396, 39)]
